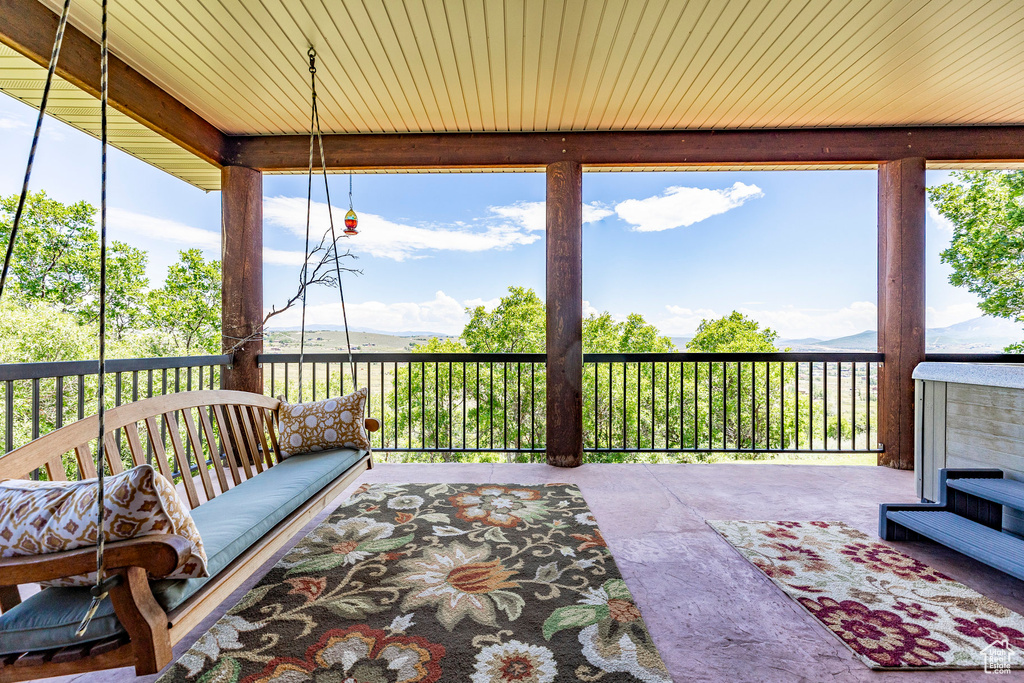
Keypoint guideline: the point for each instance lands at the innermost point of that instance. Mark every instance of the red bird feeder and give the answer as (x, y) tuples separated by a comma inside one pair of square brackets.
[(351, 221)]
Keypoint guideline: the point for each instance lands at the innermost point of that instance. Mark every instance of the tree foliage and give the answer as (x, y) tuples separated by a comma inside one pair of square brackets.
[(986, 251), (735, 333), (57, 261), (187, 307)]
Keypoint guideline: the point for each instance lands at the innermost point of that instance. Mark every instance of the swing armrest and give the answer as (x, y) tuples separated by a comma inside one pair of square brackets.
[(159, 555), (372, 424)]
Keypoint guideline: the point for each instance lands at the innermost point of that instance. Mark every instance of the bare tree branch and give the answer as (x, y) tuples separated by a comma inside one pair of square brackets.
[(322, 274)]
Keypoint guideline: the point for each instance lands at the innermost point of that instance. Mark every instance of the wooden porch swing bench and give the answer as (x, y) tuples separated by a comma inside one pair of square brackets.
[(252, 505)]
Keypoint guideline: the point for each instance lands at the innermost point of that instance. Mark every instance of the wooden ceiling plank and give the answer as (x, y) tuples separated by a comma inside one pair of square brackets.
[(497, 51), (413, 29), (440, 36), (802, 54), (30, 29), (650, 99), (685, 69), (457, 26), (479, 36), (177, 38), (599, 61), (898, 68), (881, 27), (392, 26), (715, 69), (630, 67), (627, 26), (965, 74), (513, 19), (563, 86), (386, 54), (272, 82), (533, 35), (768, 36), (339, 58), (551, 37)]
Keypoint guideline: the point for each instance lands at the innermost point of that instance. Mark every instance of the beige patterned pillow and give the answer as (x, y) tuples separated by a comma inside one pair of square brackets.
[(39, 517), (331, 423)]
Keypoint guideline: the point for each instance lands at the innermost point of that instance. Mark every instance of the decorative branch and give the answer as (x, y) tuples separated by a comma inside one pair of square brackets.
[(323, 274)]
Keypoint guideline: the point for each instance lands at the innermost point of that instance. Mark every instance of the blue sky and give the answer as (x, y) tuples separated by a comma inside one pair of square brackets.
[(795, 250)]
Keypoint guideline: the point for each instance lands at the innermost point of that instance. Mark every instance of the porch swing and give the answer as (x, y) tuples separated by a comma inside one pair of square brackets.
[(257, 499)]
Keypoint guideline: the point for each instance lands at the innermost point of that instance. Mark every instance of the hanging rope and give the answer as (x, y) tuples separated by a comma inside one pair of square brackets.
[(54, 54), (309, 206), (316, 133), (334, 236), (103, 585)]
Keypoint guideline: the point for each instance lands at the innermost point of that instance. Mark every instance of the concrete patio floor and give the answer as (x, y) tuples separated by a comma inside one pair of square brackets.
[(713, 616)]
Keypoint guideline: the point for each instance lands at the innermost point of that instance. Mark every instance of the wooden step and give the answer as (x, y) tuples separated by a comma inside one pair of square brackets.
[(1006, 492), (1003, 551)]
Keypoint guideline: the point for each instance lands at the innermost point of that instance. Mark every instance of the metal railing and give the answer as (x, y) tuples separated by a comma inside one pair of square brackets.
[(444, 403), (40, 397), (430, 402), (731, 402), (441, 403)]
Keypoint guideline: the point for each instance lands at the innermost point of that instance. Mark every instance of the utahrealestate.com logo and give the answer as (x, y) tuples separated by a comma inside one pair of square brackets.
[(1000, 657)]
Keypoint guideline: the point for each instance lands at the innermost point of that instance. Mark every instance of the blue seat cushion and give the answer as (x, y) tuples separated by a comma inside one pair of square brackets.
[(229, 524)]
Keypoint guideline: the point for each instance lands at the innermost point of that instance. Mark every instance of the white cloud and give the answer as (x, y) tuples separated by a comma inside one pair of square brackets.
[(506, 227), (823, 323), (940, 221), (129, 224), (380, 237), (953, 314), (683, 321), (8, 122), (532, 216), (683, 206), (443, 314), (789, 321)]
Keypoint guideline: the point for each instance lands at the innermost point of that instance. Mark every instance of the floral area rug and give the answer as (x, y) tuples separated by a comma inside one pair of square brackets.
[(891, 610), (452, 582)]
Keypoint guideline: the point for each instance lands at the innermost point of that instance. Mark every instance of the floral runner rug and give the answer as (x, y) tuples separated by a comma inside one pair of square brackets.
[(891, 610), (432, 582)]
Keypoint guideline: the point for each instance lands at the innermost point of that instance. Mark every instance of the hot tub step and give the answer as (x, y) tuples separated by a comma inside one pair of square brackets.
[(1006, 492), (995, 548)]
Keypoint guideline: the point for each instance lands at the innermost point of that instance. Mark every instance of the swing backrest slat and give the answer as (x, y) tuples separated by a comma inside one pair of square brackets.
[(238, 424)]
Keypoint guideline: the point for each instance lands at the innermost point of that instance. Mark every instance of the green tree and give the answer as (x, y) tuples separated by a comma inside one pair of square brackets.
[(187, 308), (516, 325), (986, 251), (57, 261), (735, 333)]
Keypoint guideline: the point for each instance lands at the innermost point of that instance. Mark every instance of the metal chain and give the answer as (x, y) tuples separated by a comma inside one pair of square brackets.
[(102, 587), (334, 237), (35, 143), (309, 204), (316, 133)]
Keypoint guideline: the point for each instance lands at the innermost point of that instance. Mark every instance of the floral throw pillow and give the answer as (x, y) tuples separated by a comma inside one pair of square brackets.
[(40, 517), (322, 425)]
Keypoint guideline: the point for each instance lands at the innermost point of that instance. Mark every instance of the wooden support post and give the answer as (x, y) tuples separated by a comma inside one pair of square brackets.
[(901, 303), (242, 274), (565, 314)]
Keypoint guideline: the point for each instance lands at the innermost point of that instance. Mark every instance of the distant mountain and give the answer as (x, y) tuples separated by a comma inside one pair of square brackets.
[(978, 335)]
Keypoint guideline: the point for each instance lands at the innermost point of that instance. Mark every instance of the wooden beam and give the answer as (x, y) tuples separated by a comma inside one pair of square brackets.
[(633, 148), (29, 28), (565, 314), (901, 303), (242, 274)]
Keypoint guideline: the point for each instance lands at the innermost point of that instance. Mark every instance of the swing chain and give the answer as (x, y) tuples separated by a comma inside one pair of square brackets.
[(103, 583)]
